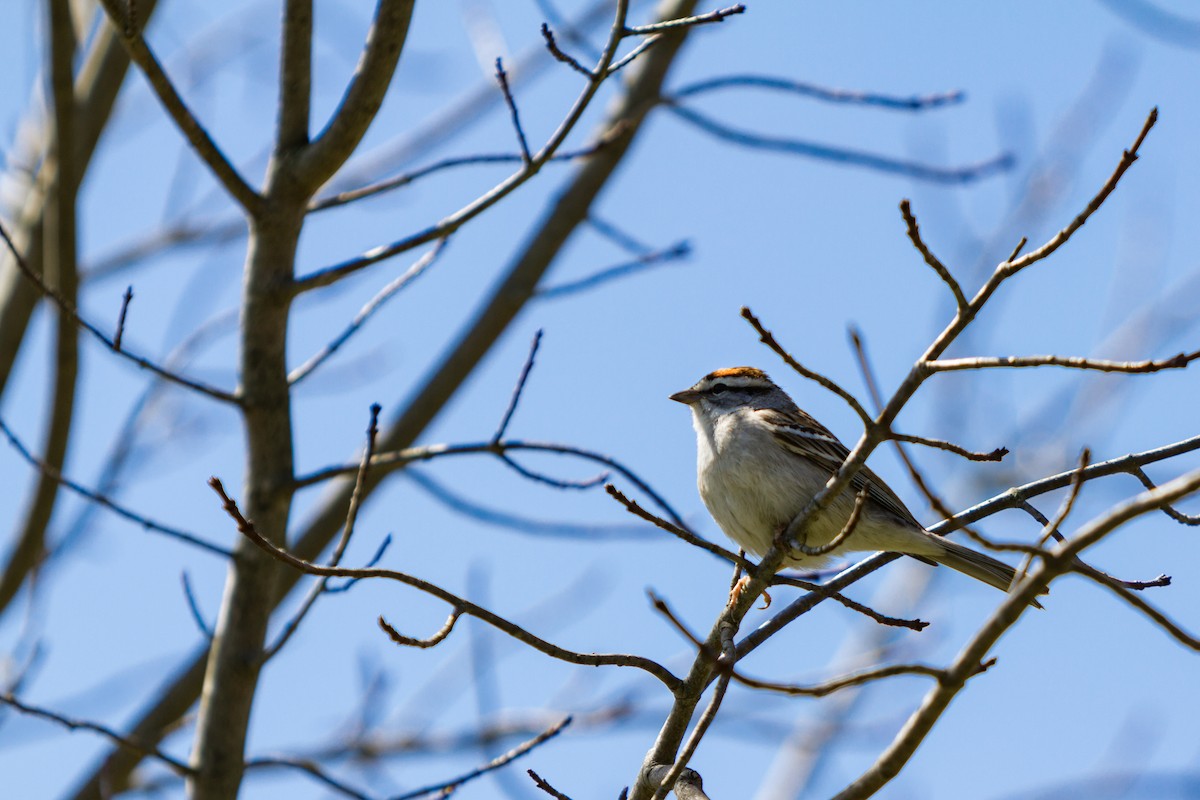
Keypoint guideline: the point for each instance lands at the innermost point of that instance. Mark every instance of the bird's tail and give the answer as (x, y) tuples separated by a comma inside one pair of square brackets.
[(978, 565)]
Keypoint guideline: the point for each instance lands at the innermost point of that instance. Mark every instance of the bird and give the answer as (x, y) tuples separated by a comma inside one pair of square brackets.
[(760, 459)]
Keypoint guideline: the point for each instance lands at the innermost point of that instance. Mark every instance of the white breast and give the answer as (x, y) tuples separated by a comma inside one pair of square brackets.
[(751, 485)]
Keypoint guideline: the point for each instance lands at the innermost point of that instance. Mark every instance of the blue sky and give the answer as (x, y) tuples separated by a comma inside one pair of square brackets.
[(1084, 689)]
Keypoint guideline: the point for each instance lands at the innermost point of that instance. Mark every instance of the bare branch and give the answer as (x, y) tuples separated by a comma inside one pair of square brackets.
[(892, 760), (340, 548), (448, 225), (520, 387), (938, 444), (108, 733), (559, 55), (502, 79), (914, 235), (496, 763), (718, 15), (102, 500), (724, 665), (841, 155), (320, 159), (1178, 516), (1012, 266), (202, 144), (541, 783), (1179, 361), (194, 607), (812, 90), (367, 311), (767, 338), (67, 307), (675, 252), (423, 644), (125, 300), (587, 659)]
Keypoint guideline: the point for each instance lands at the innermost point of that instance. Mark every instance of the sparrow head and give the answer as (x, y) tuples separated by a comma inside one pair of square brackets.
[(733, 388)]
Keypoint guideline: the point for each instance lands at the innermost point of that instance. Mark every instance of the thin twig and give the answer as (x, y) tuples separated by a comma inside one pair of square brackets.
[(125, 300), (718, 15), (502, 79), (1088, 569), (401, 458), (940, 444), (768, 338), (557, 483), (247, 529), (448, 787), (199, 139), (103, 500), (515, 397), (541, 783), (69, 308), (339, 549), (860, 501), (422, 644), (559, 55), (914, 236), (194, 607), (812, 90), (1175, 514), (367, 311), (108, 733), (675, 252), (841, 155), (1178, 361)]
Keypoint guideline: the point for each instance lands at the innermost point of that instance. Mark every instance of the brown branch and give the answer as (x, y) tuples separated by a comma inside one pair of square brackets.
[(367, 311), (938, 444), (125, 301), (914, 235), (768, 338), (515, 398), (812, 90), (839, 155), (510, 101), (559, 55), (1178, 516), (724, 665), (718, 15), (246, 528), (921, 722), (448, 225), (360, 102), (654, 258), (107, 502), (860, 501), (1012, 266), (1178, 361), (108, 733), (423, 644), (541, 783), (68, 307), (676, 530), (340, 548), (201, 143)]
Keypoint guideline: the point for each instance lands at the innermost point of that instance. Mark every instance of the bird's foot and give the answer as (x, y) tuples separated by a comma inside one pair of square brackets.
[(735, 594)]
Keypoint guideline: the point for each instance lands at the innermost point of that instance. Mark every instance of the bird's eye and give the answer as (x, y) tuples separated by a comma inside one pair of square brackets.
[(718, 388)]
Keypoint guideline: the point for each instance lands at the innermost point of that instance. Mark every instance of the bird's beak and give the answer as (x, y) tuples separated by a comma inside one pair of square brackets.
[(687, 396)]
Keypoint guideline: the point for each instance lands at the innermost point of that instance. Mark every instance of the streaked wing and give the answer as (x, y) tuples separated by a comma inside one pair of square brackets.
[(809, 439)]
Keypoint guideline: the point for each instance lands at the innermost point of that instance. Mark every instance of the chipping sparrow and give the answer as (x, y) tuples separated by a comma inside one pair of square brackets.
[(760, 460)]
